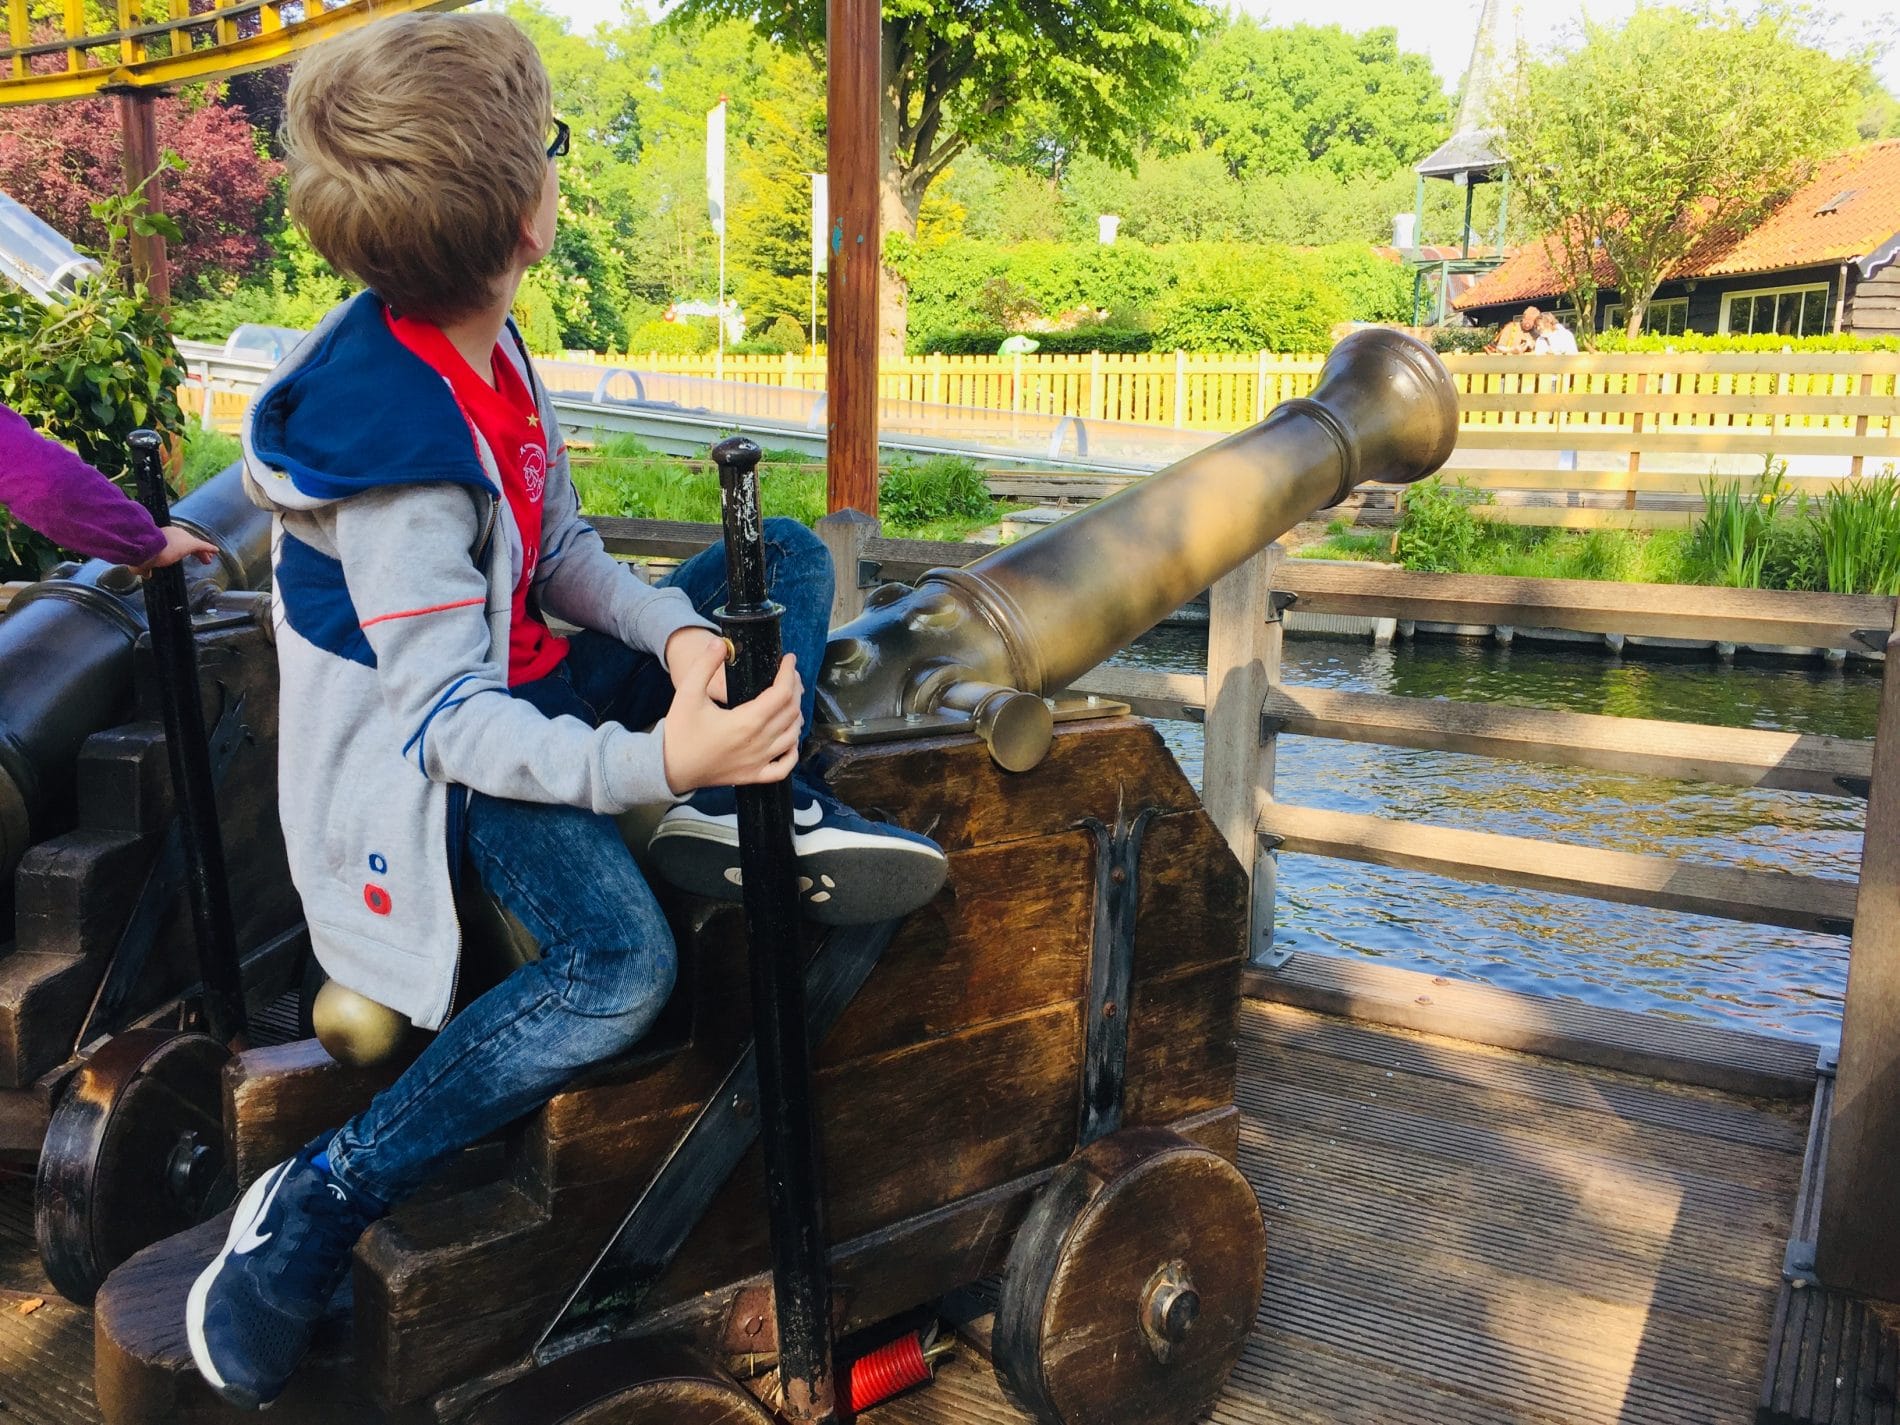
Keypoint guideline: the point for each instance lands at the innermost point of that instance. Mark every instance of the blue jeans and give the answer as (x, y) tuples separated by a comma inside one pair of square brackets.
[(607, 956)]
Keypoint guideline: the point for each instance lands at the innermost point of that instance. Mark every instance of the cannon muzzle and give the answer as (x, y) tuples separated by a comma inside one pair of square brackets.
[(989, 641), (66, 656)]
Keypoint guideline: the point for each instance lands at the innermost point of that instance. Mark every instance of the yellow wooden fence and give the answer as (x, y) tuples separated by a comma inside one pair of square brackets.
[(1806, 391), (1638, 424)]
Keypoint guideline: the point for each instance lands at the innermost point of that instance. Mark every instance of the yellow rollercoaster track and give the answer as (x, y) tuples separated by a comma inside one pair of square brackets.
[(188, 47)]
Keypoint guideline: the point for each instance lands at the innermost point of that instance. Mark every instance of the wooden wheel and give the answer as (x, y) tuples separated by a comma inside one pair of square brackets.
[(1132, 1285), (624, 1383), (134, 1153)]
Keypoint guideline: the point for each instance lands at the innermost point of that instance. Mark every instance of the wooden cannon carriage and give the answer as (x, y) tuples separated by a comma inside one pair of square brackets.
[(1033, 1075), (126, 1124)]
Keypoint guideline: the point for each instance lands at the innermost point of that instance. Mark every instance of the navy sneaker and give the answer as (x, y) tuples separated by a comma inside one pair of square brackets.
[(252, 1312), (851, 870)]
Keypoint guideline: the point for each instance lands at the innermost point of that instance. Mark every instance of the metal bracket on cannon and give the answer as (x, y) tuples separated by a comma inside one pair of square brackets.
[(1067, 707)]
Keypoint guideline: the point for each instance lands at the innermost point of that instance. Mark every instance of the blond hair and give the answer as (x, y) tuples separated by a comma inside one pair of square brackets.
[(415, 146)]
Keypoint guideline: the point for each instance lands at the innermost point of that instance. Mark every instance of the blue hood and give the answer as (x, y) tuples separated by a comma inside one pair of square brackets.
[(351, 409)]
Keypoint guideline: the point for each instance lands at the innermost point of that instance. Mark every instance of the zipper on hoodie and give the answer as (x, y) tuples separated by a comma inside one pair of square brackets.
[(480, 555)]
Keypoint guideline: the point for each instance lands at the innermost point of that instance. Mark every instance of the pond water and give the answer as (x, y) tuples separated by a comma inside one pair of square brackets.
[(1630, 957)]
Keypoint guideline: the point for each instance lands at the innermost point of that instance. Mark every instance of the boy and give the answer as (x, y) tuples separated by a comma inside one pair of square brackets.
[(425, 524)]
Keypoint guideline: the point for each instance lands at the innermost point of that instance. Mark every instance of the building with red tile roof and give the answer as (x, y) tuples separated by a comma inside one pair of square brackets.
[(1823, 260)]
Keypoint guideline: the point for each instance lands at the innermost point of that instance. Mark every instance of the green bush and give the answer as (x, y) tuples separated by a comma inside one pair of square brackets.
[(1462, 339), (1249, 299), (1438, 533), (1209, 296), (1793, 552), (1078, 342), (298, 291), (89, 372), (1375, 288), (944, 487), (784, 336), (673, 338)]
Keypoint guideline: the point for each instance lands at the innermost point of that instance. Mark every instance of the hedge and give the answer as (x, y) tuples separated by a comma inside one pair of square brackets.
[(1208, 296)]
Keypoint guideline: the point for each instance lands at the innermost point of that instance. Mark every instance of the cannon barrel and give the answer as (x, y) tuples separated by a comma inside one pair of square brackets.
[(990, 640), (66, 655)]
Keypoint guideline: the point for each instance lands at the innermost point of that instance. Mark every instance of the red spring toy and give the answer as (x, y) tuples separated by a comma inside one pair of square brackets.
[(891, 1369)]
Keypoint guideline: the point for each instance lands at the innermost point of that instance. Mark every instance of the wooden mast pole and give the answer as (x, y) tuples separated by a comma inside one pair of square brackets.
[(855, 49), (139, 138)]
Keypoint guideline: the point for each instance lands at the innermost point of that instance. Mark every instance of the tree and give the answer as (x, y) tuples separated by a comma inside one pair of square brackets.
[(1278, 98), (1675, 124), (770, 228), (60, 159), (958, 73)]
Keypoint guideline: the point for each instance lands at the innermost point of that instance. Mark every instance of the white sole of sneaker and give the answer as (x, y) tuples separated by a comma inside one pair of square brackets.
[(249, 1209), (904, 876), (804, 843)]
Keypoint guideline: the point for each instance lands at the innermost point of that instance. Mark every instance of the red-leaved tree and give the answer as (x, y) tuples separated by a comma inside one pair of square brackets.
[(59, 159)]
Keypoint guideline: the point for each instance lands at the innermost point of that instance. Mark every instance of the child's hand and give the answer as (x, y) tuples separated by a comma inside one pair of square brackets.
[(178, 544), (680, 648), (711, 746)]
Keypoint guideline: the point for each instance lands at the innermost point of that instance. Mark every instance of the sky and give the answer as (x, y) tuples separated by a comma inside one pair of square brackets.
[(1444, 29)]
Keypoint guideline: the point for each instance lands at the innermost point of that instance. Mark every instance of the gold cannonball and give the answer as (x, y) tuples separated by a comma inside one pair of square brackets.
[(353, 1028)]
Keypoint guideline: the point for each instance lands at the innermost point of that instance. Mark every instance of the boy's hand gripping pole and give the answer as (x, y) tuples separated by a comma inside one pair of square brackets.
[(801, 1269), (168, 616)]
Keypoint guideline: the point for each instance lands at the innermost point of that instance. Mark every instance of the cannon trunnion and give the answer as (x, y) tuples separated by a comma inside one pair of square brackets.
[(962, 1077)]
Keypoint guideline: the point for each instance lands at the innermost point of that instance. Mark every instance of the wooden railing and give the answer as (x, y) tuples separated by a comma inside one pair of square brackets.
[(1245, 706)]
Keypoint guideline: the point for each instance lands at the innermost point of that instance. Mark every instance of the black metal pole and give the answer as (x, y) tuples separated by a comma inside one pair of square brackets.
[(168, 616), (788, 1130)]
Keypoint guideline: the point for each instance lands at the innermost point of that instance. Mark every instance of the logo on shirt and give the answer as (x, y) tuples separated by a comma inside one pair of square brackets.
[(534, 469)]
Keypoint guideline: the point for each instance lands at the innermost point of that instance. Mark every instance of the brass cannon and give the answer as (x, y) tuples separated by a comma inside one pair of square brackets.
[(1032, 1076), (982, 647)]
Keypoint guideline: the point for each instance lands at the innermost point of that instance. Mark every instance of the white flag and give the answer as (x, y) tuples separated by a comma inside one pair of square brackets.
[(716, 165), (820, 219)]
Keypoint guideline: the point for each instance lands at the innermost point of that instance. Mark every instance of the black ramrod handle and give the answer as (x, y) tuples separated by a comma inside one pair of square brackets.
[(788, 1131), (168, 616)]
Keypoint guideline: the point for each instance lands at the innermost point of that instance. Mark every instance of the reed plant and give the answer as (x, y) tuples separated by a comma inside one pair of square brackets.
[(1732, 535), (1860, 535)]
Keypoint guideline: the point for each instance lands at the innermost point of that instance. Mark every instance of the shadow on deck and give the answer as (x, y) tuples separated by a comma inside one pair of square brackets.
[(1457, 1234)]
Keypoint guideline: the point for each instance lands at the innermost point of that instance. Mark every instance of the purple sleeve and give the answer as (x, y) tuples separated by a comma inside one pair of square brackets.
[(52, 490)]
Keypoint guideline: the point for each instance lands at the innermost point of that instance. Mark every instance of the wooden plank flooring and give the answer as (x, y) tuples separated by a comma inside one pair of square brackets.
[(1457, 1234)]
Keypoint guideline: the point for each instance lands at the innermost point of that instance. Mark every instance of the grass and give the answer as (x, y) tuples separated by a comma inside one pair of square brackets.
[(207, 453), (940, 498), (1344, 542), (1657, 557)]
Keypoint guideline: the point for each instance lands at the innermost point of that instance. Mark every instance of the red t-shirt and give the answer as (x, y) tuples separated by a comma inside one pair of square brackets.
[(505, 416)]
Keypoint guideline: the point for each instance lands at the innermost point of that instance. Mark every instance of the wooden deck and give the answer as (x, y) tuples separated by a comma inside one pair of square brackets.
[(1457, 1234)]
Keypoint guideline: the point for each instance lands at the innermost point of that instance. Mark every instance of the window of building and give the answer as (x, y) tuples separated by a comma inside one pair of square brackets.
[(1781, 311), (1669, 317)]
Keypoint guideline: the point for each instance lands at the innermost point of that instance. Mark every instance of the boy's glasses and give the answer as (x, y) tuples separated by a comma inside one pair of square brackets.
[(557, 147)]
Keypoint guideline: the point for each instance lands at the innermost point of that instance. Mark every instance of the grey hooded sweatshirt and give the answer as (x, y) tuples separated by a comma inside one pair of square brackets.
[(394, 560)]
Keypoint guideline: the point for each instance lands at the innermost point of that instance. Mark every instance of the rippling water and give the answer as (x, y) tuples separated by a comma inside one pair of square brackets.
[(1759, 977)]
